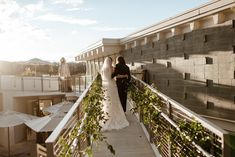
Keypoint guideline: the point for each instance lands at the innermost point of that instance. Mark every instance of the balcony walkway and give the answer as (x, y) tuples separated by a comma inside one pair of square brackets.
[(128, 142)]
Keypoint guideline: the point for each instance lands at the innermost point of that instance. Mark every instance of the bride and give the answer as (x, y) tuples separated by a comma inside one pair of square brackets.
[(111, 105)]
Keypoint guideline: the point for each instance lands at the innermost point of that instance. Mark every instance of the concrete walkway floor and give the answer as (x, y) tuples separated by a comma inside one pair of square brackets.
[(128, 142)]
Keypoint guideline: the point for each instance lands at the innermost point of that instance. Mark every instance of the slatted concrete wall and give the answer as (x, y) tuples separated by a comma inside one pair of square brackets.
[(196, 69)]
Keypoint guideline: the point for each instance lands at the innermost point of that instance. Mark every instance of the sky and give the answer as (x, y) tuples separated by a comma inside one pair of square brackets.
[(51, 29)]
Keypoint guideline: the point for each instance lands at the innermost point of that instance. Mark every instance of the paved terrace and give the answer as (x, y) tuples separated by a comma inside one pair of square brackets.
[(128, 142)]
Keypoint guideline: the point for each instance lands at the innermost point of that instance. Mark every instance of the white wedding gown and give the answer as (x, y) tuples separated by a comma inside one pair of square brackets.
[(111, 105)]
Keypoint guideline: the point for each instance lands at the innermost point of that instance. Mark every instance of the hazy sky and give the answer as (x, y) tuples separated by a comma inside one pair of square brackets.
[(51, 29)]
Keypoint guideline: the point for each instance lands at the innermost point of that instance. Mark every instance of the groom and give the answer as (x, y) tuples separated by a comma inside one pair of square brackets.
[(122, 73)]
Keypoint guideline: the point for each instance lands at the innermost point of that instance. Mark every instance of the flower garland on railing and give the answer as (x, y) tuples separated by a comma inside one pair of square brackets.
[(148, 105), (145, 104), (88, 129)]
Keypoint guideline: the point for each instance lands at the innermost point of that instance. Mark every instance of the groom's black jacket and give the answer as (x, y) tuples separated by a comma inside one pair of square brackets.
[(121, 69), (122, 83)]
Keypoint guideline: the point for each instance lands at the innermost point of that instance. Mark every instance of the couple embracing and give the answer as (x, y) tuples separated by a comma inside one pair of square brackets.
[(115, 93)]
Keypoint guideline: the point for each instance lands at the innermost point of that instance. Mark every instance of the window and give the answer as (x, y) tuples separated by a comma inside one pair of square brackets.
[(209, 60), (168, 64), (186, 76), (209, 105), (209, 83), (186, 56)]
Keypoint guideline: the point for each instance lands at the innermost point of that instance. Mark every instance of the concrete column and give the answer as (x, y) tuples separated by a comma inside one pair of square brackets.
[(175, 31), (96, 65), (126, 46), (194, 25), (146, 40), (91, 67), (88, 63), (99, 64), (87, 67), (218, 18), (136, 43), (83, 55), (160, 35)]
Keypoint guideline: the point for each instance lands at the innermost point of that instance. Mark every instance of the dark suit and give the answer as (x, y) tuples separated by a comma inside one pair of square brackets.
[(122, 69)]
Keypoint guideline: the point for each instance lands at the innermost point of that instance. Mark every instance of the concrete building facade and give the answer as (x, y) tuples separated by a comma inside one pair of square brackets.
[(189, 57)]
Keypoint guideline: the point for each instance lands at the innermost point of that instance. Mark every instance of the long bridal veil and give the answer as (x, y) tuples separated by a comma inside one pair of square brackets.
[(111, 104), (106, 70)]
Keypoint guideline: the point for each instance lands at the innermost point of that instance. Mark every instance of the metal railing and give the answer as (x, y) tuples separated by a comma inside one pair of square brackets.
[(37, 84), (41, 151), (78, 83), (171, 115), (65, 129)]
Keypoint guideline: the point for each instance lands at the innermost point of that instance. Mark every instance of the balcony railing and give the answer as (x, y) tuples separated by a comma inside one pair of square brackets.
[(81, 82), (18, 83), (168, 135), (42, 84), (54, 145)]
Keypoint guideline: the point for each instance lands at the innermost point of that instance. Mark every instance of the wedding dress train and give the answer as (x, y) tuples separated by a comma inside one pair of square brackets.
[(111, 104)]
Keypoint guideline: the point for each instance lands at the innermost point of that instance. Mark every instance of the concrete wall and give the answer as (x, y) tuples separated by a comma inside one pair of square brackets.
[(196, 68)]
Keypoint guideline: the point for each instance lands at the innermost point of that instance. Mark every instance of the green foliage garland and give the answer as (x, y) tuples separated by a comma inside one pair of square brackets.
[(91, 129), (149, 106)]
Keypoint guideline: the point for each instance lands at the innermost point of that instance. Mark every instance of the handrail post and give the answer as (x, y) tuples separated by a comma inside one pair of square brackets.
[(73, 83), (50, 150), (59, 84), (169, 147), (151, 135), (22, 83), (85, 82), (169, 111), (42, 83), (50, 83), (140, 115), (78, 117), (79, 84)]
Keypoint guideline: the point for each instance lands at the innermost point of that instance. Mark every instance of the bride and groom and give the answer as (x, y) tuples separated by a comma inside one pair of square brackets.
[(115, 93)]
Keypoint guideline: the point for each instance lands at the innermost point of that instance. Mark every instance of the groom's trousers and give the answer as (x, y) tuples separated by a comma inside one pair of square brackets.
[(122, 92)]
